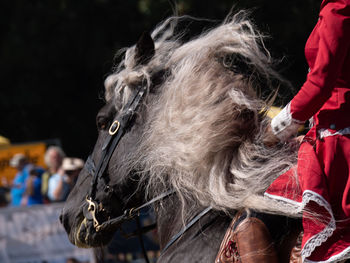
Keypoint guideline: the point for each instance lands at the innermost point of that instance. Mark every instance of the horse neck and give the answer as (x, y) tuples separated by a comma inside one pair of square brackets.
[(169, 220), (202, 240)]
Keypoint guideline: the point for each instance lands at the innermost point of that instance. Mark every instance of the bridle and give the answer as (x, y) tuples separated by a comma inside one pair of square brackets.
[(115, 133)]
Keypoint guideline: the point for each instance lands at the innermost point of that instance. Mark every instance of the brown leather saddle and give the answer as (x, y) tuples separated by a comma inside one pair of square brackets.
[(248, 240)]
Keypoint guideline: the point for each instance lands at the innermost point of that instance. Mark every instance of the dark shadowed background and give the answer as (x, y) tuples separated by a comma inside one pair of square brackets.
[(55, 55)]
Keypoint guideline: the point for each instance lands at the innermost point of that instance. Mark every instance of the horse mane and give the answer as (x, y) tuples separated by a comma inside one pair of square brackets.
[(203, 129)]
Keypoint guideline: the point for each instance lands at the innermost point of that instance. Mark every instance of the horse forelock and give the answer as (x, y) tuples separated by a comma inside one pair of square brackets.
[(203, 131)]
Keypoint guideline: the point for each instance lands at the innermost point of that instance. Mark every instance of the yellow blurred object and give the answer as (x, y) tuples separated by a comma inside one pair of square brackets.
[(4, 141), (273, 111), (33, 151)]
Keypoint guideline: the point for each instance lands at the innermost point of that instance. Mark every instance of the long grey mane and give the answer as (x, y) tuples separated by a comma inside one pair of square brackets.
[(203, 130)]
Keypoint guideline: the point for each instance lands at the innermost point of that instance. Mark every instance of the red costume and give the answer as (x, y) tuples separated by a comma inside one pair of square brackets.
[(323, 170)]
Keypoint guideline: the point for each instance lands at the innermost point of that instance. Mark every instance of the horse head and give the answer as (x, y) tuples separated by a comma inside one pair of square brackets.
[(195, 129), (106, 192)]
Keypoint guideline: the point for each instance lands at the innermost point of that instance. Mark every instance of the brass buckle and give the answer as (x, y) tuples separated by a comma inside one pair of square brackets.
[(131, 212), (92, 209), (114, 127)]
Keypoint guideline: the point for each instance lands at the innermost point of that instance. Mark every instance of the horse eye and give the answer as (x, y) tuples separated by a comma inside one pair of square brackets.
[(102, 124)]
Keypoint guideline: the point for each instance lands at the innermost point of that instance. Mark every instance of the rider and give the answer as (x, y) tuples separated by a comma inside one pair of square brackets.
[(324, 156)]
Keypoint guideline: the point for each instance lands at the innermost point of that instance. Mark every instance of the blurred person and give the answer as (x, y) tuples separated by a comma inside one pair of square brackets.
[(18, 186), (33, 186), (4, 193), (63, 181), (3, 199), (53, 159)]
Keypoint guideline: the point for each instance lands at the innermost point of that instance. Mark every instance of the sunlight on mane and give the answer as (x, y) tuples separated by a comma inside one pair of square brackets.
[(203, 129)]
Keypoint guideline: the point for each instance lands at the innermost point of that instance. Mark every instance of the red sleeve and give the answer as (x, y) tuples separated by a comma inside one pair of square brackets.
[(332, 44)]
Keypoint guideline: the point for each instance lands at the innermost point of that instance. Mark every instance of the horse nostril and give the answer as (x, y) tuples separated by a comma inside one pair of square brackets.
[(61, 218)]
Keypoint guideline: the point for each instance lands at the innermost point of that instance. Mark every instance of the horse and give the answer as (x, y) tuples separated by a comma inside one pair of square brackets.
[(182, 126)]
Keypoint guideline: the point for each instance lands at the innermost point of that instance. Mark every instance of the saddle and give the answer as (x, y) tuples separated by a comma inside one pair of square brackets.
[(247, 240)]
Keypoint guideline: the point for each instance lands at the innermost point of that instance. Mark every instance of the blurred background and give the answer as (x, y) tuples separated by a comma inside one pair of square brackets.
[(55, 55), (54, 58)]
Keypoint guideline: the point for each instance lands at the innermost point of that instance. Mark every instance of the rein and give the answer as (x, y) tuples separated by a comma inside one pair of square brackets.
[(185, 228), (132, 212)]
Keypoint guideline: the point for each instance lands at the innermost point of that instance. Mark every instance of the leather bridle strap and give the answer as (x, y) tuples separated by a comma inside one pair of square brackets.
[(132, 213), (186, 227), (139, 227), (116, 132)]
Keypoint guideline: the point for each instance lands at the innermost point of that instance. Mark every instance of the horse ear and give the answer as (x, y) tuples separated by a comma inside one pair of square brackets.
[(144, 49)]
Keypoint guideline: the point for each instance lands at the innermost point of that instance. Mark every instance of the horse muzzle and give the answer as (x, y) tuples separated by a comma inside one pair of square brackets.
[(83, 231)]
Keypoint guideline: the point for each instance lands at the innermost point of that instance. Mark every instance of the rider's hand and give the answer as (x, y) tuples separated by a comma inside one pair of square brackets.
[(299, 139)]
